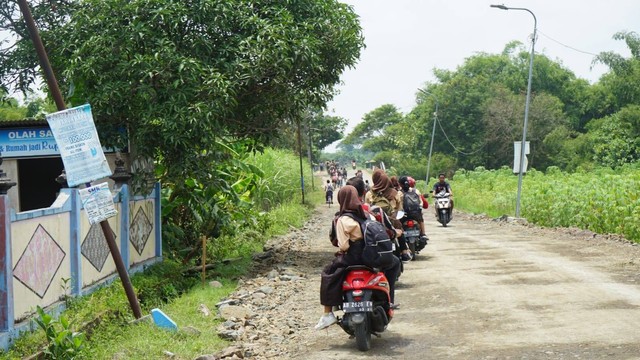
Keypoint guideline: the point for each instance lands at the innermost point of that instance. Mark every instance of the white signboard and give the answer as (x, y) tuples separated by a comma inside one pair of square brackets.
[(80, 148), (98, 203), (516, 157)]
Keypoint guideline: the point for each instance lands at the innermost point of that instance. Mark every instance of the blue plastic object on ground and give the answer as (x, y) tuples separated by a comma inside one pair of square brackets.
[(162, 320)]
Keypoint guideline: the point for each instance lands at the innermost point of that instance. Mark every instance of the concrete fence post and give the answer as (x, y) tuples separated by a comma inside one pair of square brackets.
[(125, 220), (158, 218), (6, 267), (75, 241)]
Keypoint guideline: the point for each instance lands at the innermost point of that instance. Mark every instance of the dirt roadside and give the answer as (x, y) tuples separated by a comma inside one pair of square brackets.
[(482, 289)]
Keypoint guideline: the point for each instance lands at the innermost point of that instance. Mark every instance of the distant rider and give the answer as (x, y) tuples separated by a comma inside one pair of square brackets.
[(328, 192), (443, 185)]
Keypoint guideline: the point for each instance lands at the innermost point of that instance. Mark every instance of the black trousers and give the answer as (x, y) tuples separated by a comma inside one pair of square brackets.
[(392, 274), (402, 243)]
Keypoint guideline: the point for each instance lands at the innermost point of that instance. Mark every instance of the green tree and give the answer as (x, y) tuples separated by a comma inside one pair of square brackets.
[(616, 138), (503, 125), (182, 75), (623, 82), (10, 108), (19, 66), (325, 129), (195, 84), (373, 125)]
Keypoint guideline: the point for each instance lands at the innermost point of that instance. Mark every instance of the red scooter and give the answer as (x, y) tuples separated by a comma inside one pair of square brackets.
[(366, 304)]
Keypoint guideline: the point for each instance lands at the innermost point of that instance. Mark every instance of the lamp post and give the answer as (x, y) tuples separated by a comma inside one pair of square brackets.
[(526, 107), (433, 131)]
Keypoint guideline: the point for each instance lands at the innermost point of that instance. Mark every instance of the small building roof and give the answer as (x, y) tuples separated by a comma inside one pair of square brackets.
[(23, 123)]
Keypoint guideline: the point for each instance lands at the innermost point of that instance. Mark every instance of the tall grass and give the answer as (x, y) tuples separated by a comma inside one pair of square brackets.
[(280, 179), (277, 195), (602, 200)]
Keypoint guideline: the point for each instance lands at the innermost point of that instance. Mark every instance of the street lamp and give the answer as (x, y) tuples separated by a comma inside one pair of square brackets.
[(435, 119), (526, 107)]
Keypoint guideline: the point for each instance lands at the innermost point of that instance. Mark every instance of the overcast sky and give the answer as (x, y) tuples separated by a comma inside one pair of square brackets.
[(407, 39)]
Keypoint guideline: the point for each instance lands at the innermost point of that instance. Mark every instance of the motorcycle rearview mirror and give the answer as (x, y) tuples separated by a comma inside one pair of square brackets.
[(399, 215)]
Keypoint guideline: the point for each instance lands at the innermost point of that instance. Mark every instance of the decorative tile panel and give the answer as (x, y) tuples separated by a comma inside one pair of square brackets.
[(39, 262), (95, 248), (140, 230)]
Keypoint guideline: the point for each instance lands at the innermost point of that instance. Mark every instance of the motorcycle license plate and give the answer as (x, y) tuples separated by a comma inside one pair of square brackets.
[(357, 306), (412, 233)]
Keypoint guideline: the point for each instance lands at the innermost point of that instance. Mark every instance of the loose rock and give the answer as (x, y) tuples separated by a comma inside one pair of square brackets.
[(215, 284), (266, 290), (190, 330), (234, 335), (204, 310), (207, 357), (232, 351)]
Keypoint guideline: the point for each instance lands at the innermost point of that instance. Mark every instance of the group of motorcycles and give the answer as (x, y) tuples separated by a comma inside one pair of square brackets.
[(365, 291)]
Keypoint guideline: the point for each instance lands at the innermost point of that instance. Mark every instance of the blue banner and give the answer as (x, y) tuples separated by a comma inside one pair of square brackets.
[(27, 142)]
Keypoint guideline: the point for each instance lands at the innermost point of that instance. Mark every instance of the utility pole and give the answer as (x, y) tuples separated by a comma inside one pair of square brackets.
[(433, 131), (309, 153), (300, 153), (59, 100)]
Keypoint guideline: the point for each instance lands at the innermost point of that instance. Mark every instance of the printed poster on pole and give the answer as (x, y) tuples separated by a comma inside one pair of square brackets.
[(98, 203), (80, 149)]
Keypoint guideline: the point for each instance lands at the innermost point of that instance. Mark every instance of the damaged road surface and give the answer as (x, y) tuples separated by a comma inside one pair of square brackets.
[(482, 289)]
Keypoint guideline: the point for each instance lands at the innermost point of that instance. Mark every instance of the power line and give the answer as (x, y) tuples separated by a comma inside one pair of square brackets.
[(565, 45), (454, 147)]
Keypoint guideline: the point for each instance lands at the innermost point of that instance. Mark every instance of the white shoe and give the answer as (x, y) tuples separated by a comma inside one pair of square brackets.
[(325, 321)]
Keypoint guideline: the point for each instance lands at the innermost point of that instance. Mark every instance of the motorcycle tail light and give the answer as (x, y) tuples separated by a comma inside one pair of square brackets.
[(357, 292), (410, 223), (374, 280)]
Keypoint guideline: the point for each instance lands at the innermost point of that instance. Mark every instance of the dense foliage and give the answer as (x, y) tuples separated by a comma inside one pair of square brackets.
[(572, 124), (195, 88), (603, 201)]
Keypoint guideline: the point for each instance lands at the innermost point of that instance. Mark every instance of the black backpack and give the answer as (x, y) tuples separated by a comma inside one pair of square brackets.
[(412, 203), (378, 248)]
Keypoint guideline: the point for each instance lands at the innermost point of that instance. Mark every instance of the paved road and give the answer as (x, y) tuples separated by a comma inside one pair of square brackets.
[(489, 290)]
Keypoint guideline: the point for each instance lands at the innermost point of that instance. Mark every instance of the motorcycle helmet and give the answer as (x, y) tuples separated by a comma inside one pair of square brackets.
[(412, 181), (403, 181)]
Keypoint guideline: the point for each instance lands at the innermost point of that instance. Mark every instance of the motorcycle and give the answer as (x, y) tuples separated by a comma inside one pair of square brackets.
[(366, 304), (443, 207), (411, 231)]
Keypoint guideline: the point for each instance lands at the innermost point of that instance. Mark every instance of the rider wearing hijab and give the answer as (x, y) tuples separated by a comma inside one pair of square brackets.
[(382, 185), (349, 235)]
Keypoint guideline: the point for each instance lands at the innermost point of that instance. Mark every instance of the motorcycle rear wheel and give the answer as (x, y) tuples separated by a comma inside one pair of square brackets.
[(363, 336), (412, 247)]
